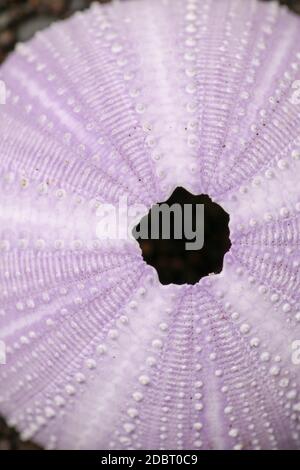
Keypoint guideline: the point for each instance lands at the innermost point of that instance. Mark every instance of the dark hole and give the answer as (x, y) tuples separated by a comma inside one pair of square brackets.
[(172, 260)]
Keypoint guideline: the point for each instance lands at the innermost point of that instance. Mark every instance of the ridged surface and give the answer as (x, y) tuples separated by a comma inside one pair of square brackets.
[(135, 99)]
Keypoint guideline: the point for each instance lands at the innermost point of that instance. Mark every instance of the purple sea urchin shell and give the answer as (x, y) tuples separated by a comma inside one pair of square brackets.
[(133, 100)]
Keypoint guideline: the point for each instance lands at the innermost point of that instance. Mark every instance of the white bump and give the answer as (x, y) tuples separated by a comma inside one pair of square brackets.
[(144, 379), (137, 396)]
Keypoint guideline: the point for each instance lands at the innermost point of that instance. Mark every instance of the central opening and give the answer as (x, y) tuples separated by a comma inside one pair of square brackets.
[(184, 238)]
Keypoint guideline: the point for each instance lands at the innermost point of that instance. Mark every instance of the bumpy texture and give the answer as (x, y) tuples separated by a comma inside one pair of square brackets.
[(135, 99)]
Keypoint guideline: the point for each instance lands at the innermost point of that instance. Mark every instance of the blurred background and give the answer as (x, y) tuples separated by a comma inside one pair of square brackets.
[(19, 20)]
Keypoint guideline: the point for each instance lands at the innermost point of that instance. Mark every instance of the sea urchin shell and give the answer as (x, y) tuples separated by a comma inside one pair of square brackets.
[(135, 99)]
